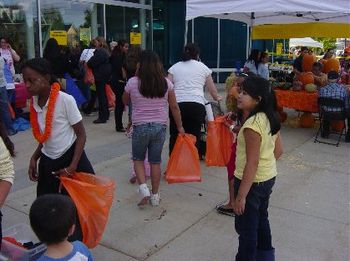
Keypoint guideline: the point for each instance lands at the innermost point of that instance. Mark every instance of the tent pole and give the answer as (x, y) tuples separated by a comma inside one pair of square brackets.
[(218, 53), (249, 36), (186, 31), (273, 49), (192, 31)]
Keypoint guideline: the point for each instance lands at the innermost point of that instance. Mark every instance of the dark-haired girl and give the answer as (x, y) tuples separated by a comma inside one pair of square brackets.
[(58, 60), (189, 77), (252, 63), (151, 95), (57, 126), (258, 148)]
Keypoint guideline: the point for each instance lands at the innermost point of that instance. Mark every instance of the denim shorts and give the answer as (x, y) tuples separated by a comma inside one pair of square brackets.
[(151, 137)]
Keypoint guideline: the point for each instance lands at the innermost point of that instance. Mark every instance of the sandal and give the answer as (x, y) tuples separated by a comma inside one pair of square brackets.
[(221, 209)]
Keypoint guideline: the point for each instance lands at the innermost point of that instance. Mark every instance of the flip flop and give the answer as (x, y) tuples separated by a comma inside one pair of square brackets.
[(225, 211)]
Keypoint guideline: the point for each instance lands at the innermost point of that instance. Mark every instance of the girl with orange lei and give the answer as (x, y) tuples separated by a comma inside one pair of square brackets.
[(57, 126)]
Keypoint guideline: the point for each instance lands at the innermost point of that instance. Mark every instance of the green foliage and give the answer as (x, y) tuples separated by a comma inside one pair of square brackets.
[(328, 43)]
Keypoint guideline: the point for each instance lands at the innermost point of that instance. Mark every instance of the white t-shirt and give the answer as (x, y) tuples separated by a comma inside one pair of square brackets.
[(62, 136), (86, 55), (251, 66), (263, 71), (189, 79)]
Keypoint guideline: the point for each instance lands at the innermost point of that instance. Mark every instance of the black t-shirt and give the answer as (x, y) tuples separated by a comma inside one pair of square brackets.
[(298, 63), (118, 63)]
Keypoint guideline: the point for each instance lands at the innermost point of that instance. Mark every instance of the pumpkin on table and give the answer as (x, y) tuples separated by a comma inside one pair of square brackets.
[(306, 78)]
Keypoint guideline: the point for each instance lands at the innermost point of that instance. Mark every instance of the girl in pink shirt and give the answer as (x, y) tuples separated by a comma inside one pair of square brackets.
[(151, 95)]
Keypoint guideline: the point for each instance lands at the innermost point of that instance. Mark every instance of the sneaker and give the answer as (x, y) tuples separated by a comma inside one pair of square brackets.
[(144, 194), (155, 199)]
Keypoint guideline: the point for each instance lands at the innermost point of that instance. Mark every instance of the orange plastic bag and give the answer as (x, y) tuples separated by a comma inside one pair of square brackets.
[(88, 75), (93, 197), (110, 96), (183, 165), (219, 143)]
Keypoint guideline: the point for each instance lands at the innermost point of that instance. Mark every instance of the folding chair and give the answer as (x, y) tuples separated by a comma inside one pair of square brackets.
[(331, 109)]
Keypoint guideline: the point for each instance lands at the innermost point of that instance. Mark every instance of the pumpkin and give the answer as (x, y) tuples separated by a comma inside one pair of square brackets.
[(283, 116), (310, 87), (307, 120), (306, 78), (332, 64), (308, 61), (337, 125)]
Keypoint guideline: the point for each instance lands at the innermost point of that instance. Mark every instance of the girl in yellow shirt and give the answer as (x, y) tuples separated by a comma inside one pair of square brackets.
[(258, 147)]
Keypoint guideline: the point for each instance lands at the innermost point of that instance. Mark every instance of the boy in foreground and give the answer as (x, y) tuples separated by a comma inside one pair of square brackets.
[(52, 218)]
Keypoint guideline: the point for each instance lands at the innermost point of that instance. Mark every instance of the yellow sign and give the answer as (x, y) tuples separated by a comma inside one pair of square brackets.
[(285, 31), (60, 36), (279, 47), (135, 38), (85, 35)]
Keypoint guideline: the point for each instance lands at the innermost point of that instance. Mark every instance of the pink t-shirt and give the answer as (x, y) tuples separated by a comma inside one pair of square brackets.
[(146, 110)]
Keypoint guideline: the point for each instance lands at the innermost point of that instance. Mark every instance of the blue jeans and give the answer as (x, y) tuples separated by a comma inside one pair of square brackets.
[(151, 137), (4, 110), (253, 226)]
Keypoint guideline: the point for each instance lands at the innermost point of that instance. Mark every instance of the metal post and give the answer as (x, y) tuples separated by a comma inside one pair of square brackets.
[(104, 22), (186, 31), (151, 25), (273, 50), (247, 49), (218, 54), (192, 34), (39, 28), (142, 26)]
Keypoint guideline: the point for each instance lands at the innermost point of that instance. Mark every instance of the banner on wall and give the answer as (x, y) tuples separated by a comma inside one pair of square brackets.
[(85, 35), (60, 36), (135, 38), (279, 47)]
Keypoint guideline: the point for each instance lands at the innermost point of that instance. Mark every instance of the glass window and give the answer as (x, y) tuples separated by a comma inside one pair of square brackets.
[(160, 29), (18, 22), (121, 21), (144, 2), (70, 22)]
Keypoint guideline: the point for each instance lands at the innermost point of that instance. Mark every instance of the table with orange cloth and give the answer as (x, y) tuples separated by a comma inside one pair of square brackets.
[(298, 100)]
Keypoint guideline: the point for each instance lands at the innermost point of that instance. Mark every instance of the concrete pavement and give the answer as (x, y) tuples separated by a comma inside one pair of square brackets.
[(309, 209)]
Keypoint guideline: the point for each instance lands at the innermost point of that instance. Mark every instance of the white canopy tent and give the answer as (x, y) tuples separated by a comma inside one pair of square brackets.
[(257, 12), (306, 41)]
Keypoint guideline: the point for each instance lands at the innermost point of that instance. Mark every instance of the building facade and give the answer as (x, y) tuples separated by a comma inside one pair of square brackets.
[(159, 25)]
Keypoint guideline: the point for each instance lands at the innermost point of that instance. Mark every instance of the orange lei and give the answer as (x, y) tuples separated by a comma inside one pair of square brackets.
[(42, 137)]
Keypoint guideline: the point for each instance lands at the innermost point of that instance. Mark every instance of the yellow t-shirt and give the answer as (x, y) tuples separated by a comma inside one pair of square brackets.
[(267, 162)]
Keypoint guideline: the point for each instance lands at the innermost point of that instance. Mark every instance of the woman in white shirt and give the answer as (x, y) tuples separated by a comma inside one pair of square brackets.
[(189, 77), (251, 65)]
